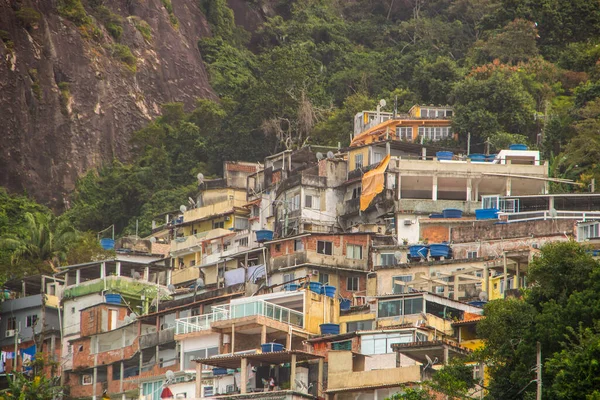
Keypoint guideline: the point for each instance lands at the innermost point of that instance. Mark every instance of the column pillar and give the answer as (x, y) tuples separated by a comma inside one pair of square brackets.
[(102, 270), (146, 273), (77, 276), (508, 186), (518, 276), (197, 258), (469, 189), (398, 186), (122, 376), (233, 338), (434, 188), (198, 380), (445, 354), (293, 373), (244, 376), (486, 278), (477, 191), (118, 268), (320, 379), (263, 334), (505, 273)]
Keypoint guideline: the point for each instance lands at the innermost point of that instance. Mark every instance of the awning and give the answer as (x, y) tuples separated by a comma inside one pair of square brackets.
[(166, 393), (373, 183)]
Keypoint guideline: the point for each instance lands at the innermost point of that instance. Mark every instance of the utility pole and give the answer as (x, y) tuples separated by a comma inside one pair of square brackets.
[(487, 147), (539, 371), (468, 143)]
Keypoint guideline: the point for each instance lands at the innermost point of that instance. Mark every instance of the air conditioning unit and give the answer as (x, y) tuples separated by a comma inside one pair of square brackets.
[(408, 222), (535, 245), (10, 333), (315, 272), (227, 218)]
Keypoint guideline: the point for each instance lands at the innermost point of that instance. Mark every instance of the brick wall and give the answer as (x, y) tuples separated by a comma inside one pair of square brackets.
[(435, 234), (93, 318)]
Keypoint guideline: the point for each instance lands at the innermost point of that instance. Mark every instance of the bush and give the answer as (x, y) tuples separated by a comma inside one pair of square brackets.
[(123, 53), (111, 21), (5, 37), (169, 7), (65, 96), (35, 85), (73, 11), (28, 17), (143, 27)]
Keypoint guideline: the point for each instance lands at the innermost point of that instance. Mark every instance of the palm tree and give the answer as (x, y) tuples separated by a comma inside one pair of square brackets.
[(42, 244)]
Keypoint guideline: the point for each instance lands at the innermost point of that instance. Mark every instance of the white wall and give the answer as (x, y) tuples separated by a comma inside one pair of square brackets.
[(410, 232)]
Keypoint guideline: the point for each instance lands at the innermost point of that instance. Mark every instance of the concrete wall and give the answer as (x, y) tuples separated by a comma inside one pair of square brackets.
[(340, 373), (20, 309), (489, 230)]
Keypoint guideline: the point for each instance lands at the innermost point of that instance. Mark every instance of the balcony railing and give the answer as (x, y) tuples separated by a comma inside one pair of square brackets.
[(548, 215), (241, 310)]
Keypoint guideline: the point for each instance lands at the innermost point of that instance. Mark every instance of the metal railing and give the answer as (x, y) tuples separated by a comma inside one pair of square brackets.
[(548, 215), (233, 311)]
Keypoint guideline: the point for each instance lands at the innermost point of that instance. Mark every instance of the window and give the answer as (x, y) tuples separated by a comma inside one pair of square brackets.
[(589, 231), (241, 224), (354, 252), (86, 379), (220, 224), (242, 242), (324, 247), (208, 391), (434, 133), (382, 343), (356, 192), (358, 161), (294, 203), (397, 286), (323, 278), (377, 157), (387, 259), (343, 345), (288, 277), (11, 324), (405, 133), (312, 202), (471, 254), (359, 326), (352, 283), (189, 357), (31, 320), (152, 390), (298, 245), (394, 308)]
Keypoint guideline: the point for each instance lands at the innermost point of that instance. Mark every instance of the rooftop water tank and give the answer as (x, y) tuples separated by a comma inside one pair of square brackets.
[(440, 250), (444, 155), (518, 147), (418, 251), (264, 235), (107, 244), (452, 213), (330, 329)]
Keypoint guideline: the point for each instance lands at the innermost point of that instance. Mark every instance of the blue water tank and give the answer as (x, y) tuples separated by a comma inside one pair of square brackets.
[(479, 304), (439, 250), (418, 251), (219, 371), (113, 298), (490, 157), (486, 213), (452, 213), (291, 287), (345, 304), (315, 287), (436, 215), (444, 155), (328, 291), (518, 147), (271, 347), (477, 157), (330, 329), (264, 235), (107, 244)]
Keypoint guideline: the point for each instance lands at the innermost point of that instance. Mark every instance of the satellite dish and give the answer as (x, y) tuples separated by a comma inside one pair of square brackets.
[(200, 177), (320, 156), (429, 361), (183, 208), (127, 320), (171, 288), (191, 201), (483, 296), (136, 275), (382, 103), (199, 282), (170, 375), (398, 256), (330, 155), (152, 239)]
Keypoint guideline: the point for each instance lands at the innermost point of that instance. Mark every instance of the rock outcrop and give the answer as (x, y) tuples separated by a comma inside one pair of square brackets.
[(70, 99)]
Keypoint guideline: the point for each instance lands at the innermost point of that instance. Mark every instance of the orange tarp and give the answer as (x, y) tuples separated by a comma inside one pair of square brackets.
[(372, 183)]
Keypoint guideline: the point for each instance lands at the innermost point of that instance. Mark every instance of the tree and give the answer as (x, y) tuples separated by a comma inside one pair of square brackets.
[(38, 386), (43, 244), (412, 394)]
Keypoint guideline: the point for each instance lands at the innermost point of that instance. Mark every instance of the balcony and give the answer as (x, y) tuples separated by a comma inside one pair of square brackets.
[(240, 310), (157, 338)]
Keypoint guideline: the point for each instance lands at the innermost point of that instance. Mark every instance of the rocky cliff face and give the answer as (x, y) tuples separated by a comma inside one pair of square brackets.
[(70, 99)]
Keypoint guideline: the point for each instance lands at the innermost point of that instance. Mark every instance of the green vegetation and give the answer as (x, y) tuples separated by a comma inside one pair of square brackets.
[(122, 53), (111, 21), (5, 37), (142, 27), (28, 17), (169, 7), (65, 96), (35, 83), (74, 11), (23, 386)]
